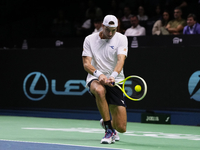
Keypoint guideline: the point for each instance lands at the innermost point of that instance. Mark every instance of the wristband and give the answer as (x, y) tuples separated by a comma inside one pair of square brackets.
[(97, 73), (114, 74)]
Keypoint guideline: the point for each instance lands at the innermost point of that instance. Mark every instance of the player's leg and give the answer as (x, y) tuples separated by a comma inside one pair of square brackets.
[(99, 92), (119, 117), (117, 107)]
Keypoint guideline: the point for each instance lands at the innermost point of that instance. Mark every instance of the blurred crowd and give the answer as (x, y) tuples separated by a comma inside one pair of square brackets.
[(78, 18), (144, 17)]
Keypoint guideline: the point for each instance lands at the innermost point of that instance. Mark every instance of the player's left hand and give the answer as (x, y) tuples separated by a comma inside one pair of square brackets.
[(110, 81)]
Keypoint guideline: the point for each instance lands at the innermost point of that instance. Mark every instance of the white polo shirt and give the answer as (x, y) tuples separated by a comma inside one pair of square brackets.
[(104, 53), (137, 31)]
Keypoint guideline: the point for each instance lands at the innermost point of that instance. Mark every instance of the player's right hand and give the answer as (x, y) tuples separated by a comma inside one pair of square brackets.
[(103, 79)]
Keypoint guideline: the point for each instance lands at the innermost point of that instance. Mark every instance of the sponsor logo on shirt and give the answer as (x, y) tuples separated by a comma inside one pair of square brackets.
[(112, 47)]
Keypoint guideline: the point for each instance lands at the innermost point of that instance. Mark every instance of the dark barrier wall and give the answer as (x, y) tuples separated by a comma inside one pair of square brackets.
[(134, 42), (41, 79), (55, 79)]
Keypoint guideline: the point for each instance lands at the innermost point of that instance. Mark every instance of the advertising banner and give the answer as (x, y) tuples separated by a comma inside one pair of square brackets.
[(55, 79)]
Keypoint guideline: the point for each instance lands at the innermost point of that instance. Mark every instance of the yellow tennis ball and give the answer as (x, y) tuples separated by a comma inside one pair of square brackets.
[(138, 88)]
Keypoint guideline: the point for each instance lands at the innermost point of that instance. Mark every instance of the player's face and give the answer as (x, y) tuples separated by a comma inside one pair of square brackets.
[(190, 22), (109, 32)]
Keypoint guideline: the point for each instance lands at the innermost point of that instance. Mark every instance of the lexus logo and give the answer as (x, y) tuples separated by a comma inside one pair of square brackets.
[(30, 89), (36, 87)]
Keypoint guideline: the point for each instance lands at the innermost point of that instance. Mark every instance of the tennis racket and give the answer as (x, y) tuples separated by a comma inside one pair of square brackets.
[(133, 87)]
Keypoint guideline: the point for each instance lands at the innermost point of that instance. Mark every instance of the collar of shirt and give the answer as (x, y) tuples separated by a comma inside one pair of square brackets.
[(192, 29)]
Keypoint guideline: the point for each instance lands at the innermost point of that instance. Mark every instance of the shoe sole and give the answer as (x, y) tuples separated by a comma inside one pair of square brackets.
[(105, 142)]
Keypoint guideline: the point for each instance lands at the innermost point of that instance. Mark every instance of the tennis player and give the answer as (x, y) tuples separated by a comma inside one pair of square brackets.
[(103, 55)]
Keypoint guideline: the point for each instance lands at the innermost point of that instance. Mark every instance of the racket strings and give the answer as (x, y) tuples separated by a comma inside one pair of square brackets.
[(130, 88)]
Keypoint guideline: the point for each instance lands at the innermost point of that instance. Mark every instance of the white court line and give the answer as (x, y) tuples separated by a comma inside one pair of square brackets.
[(128, 133), (60, 144)]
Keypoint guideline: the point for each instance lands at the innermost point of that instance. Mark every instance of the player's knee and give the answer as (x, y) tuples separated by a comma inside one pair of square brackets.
[(99, 91), (121, 128)]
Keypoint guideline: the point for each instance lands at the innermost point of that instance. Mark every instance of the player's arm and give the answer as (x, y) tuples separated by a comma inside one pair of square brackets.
[(87, 64), (118, 68), (92, 70), (120, 63)]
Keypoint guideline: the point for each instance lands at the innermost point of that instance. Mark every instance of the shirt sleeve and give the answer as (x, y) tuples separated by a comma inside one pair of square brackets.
[(125, 33), (143, 31), (86, 48), (123, 47), (156, 28)]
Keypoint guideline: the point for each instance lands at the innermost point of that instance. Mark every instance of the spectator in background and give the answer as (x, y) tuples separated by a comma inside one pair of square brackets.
[(159, 26), (182, 4), (61, 26), (135, 29), (88, 25), (157, 14), (79, 17), (125, 20), (176, 26), (141, 14), (142, 17), (113, 8), (120, 27), (192, 26), (97, 25), (92, 6)]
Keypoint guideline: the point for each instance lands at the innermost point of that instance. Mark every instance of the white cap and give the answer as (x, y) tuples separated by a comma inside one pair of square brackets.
[(109, 18)]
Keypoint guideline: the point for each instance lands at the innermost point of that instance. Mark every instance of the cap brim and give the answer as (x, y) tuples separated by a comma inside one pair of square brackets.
[(110, 25)]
